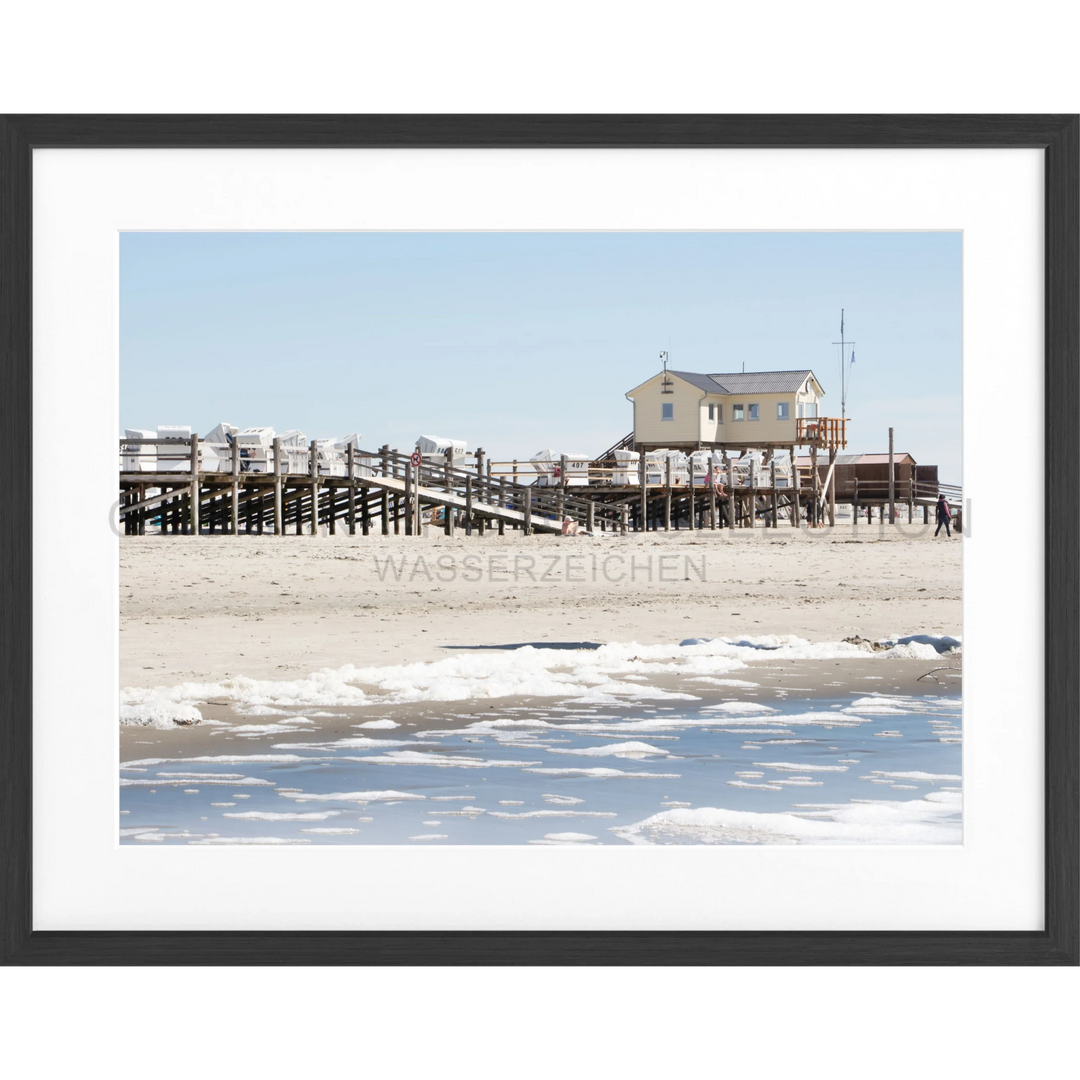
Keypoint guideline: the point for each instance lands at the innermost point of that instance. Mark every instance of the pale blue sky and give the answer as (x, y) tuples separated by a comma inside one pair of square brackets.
[(522, 341)]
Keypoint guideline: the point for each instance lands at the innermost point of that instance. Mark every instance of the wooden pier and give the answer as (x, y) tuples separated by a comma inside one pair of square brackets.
[(169, 488)]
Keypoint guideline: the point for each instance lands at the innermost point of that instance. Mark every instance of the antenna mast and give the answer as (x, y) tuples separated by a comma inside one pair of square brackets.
[(843, 367)]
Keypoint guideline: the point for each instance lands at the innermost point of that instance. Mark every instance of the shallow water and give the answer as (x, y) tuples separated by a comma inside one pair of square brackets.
[(854, 768)]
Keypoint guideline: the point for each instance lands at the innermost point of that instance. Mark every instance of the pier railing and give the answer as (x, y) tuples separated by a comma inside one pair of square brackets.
[(185, 485)]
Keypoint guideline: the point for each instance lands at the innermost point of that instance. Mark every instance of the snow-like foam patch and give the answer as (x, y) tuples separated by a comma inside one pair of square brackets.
[(340, 831), (930, 820), (606, 774), (348, 796), (739, 708), (623, 749), (160, 712), (444, 761), (915, 775), (384, 725), (268, 815), (554, 813), (787, 766), (266, 840), (161, 781), (612, 673), (431, 836)]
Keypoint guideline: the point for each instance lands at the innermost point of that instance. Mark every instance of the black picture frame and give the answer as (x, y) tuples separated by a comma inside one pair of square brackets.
[(1058, 136)]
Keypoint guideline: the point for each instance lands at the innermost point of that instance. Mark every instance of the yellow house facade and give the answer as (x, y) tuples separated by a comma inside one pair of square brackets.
[(734, 410)]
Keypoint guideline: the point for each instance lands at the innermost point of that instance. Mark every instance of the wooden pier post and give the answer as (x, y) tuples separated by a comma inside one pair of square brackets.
[(194, 485), (643, 517), (832, 486), (590, 517), (892, 481), (795, 509), (350, 513), (528, 511), (365, 512), (731, 514), (751, 502), (855, 503), (625, 519), (502, 501), (448, 470), (480, 521), (235, 514), (468, 504), (279, 525), (313, 451), (667, 498), (775, 497), (712, 498), (815, 513), (409, 499), (384, 499), (397, 510)]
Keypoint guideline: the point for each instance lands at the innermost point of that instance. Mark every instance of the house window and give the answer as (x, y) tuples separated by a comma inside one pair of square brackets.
[(807, 408), (737, 412), (667, 410), (720, 414), (753, 411), (783, 410), (712, 412)]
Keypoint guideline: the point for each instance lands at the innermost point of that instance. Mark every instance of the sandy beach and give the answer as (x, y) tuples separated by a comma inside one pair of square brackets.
[(277, 607)]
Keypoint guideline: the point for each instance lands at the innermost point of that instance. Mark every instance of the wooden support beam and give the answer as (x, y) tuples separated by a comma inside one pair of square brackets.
[(832, 487), (667, 498), (892, 481), (194, 496), (350, 514), (528, 511), (751, 502), (480, 486), (234, 519), (795, 509), (643, 512), (732, 515), (775, 498), (279, 526)]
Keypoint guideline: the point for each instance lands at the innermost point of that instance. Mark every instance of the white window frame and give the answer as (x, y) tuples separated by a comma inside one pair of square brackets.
[(783, 410), (738, 413), (753, 412), (712, 411), (667, 407)]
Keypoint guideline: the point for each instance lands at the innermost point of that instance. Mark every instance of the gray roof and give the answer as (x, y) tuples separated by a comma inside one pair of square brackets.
[(749, 382), (702, 382), (762, 382)]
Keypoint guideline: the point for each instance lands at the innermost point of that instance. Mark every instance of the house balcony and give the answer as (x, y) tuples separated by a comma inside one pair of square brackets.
[(823, 432)]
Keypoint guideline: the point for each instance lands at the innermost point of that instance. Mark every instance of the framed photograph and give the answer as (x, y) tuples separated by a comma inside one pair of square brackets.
[(540, 539)]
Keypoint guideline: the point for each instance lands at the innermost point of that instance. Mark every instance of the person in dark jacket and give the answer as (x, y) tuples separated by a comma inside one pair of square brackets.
[(944, 516)]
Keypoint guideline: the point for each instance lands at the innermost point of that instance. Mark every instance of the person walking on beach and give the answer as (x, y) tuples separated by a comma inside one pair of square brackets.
[(944, 516)]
